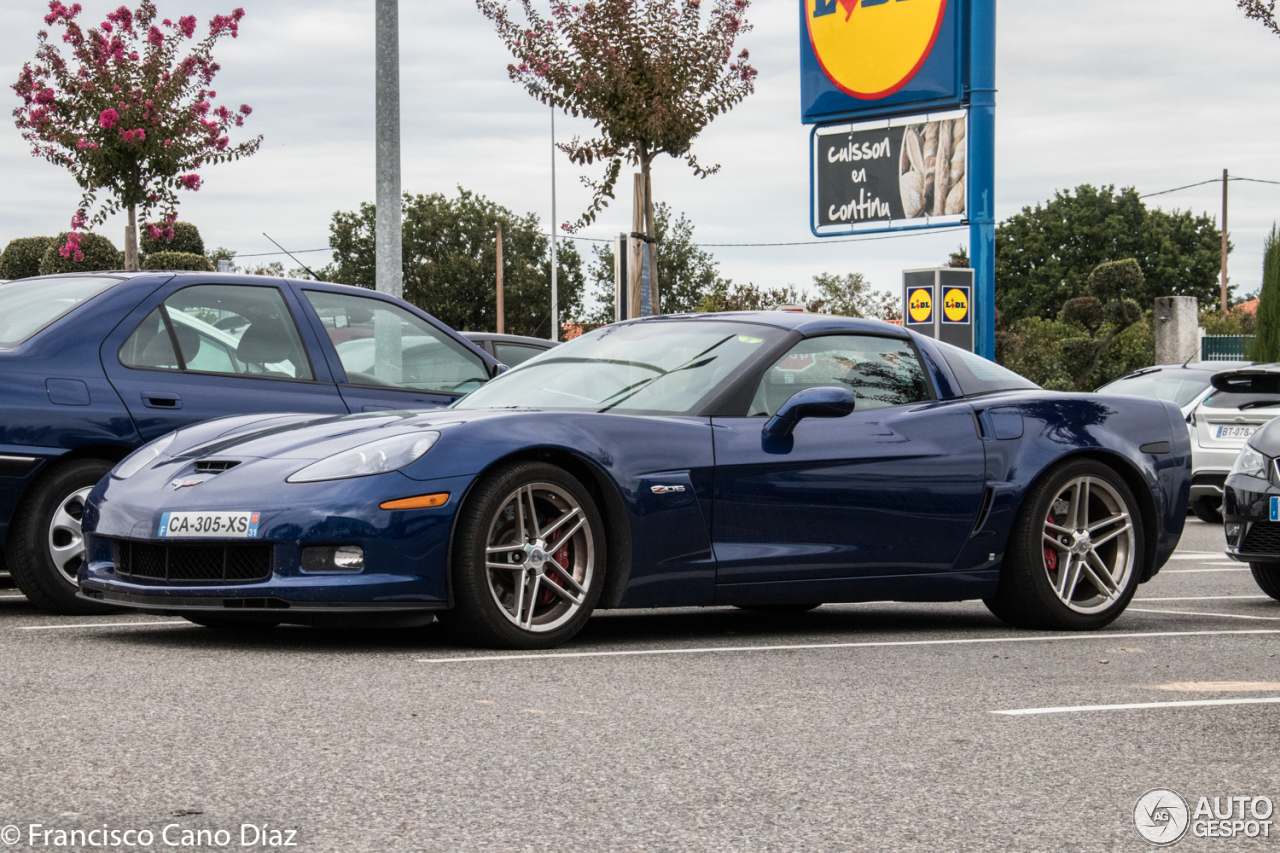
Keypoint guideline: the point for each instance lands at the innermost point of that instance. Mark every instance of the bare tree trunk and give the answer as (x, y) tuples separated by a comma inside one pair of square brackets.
[(651, 229), (131, 240), (635, 264)]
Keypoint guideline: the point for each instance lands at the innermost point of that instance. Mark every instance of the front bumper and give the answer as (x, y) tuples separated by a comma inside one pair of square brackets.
[(405, 555), (1252, 531)]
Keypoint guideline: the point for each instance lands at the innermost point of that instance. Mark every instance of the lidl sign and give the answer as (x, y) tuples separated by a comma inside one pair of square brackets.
[(860, 57)]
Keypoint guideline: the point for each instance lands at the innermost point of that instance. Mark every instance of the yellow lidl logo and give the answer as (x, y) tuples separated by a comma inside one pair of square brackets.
[(872, 48), (955, 305), (920, 305)]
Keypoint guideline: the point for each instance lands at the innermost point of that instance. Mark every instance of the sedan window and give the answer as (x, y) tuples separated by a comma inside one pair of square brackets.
[(382, 345), (28, 306), (234, 329), (879, 371), (515, 354)]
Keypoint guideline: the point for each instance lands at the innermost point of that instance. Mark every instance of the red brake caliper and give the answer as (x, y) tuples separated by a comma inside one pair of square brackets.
[(561, 556), (1050, 555)]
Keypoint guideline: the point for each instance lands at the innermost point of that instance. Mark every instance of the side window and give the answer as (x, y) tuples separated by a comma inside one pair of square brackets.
[(382, 345), (514, 354), (879, 371), (240, 330)]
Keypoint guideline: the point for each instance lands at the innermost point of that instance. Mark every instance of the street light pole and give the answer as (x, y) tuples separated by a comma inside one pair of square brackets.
[(388, 252), (555, 306)]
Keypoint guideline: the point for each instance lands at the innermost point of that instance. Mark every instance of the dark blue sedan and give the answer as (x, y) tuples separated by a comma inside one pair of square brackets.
[(765, 460), (94, 365)]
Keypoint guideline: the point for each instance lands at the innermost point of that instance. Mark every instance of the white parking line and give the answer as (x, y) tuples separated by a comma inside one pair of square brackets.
[(1194, 613), (1194, 555), (1194, 571), (101, 625), (1136, 706), (1204, 598), (868, 645)]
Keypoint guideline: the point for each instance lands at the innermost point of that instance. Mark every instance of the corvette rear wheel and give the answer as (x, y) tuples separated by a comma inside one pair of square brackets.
[(1075, 553), (1267, 577), (45, 547), (528, 559)]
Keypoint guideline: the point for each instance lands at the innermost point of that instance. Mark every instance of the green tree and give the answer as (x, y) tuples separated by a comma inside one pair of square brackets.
[(450, 262), (732, 296), (21, 258), (1263, 11), (849, 295), (650, 75), (1266, 346), (1044, 256), (686, 272)]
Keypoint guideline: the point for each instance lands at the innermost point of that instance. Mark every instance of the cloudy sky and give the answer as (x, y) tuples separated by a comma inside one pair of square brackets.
[(1149, 93)]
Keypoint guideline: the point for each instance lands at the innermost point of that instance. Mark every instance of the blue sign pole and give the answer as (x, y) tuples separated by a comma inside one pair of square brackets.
[(982, 171)]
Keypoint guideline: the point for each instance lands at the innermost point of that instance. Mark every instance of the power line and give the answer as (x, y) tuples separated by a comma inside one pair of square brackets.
[(1202, 183)]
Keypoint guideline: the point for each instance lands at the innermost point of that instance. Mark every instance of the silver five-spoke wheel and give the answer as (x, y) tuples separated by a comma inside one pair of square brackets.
[(66, 538), (540, 557), (1089, 545)]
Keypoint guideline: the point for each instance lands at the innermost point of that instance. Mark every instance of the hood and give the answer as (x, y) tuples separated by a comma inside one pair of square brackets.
[(308, 437)]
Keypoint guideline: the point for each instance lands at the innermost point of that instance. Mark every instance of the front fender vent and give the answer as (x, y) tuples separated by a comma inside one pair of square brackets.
[(988, 496)]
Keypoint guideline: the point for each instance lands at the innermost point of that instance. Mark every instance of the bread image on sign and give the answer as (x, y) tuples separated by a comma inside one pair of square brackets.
[(931, 168)]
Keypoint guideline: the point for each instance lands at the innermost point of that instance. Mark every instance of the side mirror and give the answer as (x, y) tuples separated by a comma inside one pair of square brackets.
[(826, 402), (497, 370)]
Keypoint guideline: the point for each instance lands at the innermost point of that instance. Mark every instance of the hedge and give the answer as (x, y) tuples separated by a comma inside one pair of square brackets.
[(186, 239), (99, 254), (177, 261), (21, 258)]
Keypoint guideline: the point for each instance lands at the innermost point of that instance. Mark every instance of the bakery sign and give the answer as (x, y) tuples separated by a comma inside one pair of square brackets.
[(889, 174)]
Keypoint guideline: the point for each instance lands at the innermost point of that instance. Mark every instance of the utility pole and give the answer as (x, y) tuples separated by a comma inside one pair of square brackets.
[(388, 251), (1223, 302), (501, 324), (555, 306)]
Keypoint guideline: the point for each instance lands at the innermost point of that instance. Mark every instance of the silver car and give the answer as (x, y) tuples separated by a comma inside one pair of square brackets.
[(1187, 387)]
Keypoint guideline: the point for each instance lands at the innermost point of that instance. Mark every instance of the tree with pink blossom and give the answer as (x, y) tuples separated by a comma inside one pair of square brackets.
[(129, 113), (651, 74)]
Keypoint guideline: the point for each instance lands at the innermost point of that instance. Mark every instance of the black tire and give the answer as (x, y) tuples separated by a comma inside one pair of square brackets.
[(27, 549), (1208, 510), (779, 609), (229, 623), (476, 617), (1026, 597), (1267, 577)]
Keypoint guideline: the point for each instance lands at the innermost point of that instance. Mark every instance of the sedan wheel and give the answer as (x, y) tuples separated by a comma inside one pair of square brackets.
[(45, 548), (1075, 553), (528, 559)]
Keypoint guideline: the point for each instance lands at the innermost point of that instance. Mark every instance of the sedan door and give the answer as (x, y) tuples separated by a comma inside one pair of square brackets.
[(892, 489), (195, 352), (386, 357)]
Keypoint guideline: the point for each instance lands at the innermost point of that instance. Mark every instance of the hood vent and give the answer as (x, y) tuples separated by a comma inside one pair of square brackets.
[(215, 466)]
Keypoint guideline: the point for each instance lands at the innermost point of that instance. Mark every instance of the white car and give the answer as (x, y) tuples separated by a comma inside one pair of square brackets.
[(1215, 436)]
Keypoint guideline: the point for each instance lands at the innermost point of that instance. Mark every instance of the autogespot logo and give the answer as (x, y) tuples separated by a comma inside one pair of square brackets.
[(872, 48), (1161, 816)]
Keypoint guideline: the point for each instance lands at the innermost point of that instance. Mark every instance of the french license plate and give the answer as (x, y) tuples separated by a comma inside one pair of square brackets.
[(1236, 431), (1275, 509), (224, 525)]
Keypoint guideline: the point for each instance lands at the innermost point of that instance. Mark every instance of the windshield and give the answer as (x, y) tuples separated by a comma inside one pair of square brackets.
[(28, 306), (662, 367), (1179, 388)]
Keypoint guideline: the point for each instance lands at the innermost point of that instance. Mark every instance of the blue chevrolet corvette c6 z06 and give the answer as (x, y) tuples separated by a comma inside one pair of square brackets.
[(764, 460)]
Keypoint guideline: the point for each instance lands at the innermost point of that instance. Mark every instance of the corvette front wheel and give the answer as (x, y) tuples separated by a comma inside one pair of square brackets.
[(528, 559)]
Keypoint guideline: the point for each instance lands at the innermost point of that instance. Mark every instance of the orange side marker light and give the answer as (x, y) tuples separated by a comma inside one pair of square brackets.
[(419, 502)]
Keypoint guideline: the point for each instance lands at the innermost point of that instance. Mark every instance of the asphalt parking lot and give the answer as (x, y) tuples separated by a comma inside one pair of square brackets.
[(854, 727)]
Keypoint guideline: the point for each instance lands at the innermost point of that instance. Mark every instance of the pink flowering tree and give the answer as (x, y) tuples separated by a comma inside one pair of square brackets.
[(651, 74), (129, 113)]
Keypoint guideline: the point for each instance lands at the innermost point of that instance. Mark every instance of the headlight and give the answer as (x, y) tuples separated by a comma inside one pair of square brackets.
[(1250, 462), (140, 459), (376, 457)]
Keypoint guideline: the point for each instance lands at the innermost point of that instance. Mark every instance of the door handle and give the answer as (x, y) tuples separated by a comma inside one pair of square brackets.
[(161, 400)]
